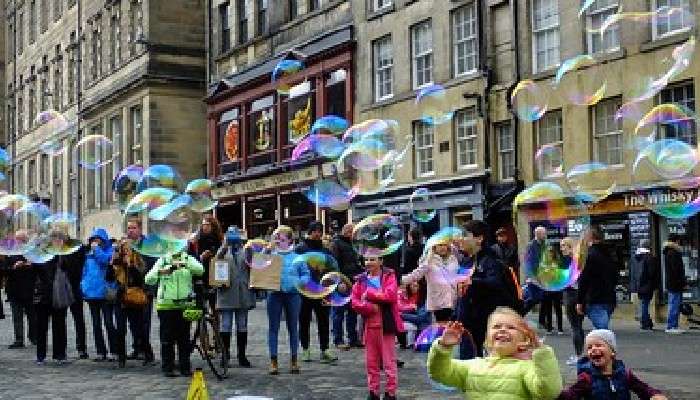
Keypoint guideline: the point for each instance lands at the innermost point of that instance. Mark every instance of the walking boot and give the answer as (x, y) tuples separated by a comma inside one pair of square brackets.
[(226, 341), (293, 366), (242, 343), (274, 369), (388, 396), (373, 396)]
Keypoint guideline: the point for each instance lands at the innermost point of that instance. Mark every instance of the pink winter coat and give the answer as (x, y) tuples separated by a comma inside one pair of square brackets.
[(369, 306), (440, 277)]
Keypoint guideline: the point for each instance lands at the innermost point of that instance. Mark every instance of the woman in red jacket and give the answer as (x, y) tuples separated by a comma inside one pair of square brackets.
[(374, 296)]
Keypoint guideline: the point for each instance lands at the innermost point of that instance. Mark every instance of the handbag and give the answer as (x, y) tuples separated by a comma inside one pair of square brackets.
[(62, 296), (134, 296)]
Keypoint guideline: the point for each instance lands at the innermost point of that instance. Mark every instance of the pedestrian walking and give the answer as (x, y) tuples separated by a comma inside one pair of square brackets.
[(570, 296), (596, 285), (601, 375), (313, 243), (19, 286), (127, 270), (675, 282), (644, 280), (349, 265), (533, 254), (374, 296), (173, 275), (286, 299), (235, 299), (492, 285), (519, 366), (552, 299), (94, 289)]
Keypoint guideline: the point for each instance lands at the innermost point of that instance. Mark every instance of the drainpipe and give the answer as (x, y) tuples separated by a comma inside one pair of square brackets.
[(516, 79), (13, 134), (79, 77)]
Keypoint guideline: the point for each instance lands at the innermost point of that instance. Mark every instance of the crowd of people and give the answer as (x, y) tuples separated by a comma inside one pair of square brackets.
[(391, 300)]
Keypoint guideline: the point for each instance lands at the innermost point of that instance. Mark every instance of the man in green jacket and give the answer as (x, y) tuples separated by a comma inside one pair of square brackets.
[(173, 275)]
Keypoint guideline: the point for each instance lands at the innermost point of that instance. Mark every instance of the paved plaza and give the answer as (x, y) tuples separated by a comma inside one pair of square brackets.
[(671, 363)]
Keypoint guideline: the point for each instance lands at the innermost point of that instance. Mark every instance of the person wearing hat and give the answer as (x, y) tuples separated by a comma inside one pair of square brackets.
[(603, 376), (644, 279), (314, 243)]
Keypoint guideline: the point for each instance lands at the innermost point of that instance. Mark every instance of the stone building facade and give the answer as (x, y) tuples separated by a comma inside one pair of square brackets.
[(131, 70), (628, 54)]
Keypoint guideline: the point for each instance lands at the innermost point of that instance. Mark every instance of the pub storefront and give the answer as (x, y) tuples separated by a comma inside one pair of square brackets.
[(626, 219), (254, 124)]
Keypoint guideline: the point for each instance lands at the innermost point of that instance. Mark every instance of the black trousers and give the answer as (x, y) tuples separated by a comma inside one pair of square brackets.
[(99, 310), (575, 320), (76, 311), (174, 330), (58, 331), (135, 318), (20, 310), (552, 300), (322, 320)]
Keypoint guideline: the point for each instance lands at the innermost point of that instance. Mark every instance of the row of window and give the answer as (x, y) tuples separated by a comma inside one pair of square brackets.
[(254, 14), (36, 11), (127, 149), (607, 132), (545, 26)]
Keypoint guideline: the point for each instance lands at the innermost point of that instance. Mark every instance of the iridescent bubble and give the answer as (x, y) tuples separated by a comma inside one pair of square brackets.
[(50, 122), (580, 80), (38, 255), (529, 101), (549, 160), (315, 290), (592, 181), (199, 191), (421, 201), (316, 261), (684, 209), (674, 17), (449, 235), (282, 239), (20, 224), (630, 111), (154, 246), (666, 114), (330, 125), (173, 221), (94, 151), (548, 204), (434, 106), (428, 336), (328, 193), (322, 145), (125, 184), (669, 158), (377, 235), (257, 254), (160, 176), (283, 70), (343, 287), (63, 222), (149, 199)]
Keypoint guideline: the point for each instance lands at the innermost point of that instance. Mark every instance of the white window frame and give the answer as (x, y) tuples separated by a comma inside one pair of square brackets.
[(600, 137), (466, 138), (378, 5), (469, 29), (426, 54), (136, 127), (553, 28), (654, 26), (424, 151), (687, 101), (501, 128), (612, 30), (379, 49), (559, 143)]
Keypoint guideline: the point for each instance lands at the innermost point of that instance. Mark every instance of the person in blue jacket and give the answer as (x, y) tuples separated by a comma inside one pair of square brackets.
[(94, 287)]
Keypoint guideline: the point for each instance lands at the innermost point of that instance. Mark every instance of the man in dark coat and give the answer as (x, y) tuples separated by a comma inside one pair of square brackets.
[(675, 281), (74, 269), (19, 287), (596, 285), (533, 252), (314, 243), (644, 279), (492, 285), (350, 265), (506, 253)]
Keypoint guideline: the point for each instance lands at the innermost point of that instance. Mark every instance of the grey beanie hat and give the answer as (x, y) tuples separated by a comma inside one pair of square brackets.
[(605, 335)]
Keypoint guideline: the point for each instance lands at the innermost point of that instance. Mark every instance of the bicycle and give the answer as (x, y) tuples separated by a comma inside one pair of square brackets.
[(207, 339)]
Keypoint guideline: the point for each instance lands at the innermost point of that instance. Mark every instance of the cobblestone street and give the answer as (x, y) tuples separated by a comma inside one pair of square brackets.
[(668, 362)]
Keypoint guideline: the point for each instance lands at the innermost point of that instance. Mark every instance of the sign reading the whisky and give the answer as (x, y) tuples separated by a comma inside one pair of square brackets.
[(266, 183), (661, 197)]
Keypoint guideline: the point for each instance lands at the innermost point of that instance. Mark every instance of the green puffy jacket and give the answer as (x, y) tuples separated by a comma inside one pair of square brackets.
[(495, 378), (175, 288)]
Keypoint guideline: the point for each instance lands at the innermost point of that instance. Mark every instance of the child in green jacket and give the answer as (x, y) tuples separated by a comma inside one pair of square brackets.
[(173, 275), (518, 367)]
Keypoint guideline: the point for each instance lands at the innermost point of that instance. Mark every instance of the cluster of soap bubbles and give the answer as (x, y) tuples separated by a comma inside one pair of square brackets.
[(29, 228), (158, 195)]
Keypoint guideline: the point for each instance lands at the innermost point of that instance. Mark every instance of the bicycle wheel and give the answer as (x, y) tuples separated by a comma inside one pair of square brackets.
[(212, 347)]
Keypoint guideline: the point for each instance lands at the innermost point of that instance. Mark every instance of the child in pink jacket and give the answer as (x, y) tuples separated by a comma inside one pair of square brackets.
[(374, 296)]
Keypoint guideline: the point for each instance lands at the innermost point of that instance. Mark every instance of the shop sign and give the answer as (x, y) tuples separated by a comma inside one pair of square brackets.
[(266, 183), (661, 197)]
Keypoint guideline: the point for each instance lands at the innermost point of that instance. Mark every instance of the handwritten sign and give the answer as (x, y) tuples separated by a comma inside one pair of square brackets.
[(268, 278), (219, 273)]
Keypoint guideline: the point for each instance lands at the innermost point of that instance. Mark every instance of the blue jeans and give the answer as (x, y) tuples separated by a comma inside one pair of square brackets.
[(291, 303), (674, 309), (420, 318), (338, 314), (227, 318), (645, 319), (600, 314)]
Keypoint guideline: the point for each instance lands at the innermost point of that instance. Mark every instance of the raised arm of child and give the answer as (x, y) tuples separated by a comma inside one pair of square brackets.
[(544, 380), (441, 366)]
